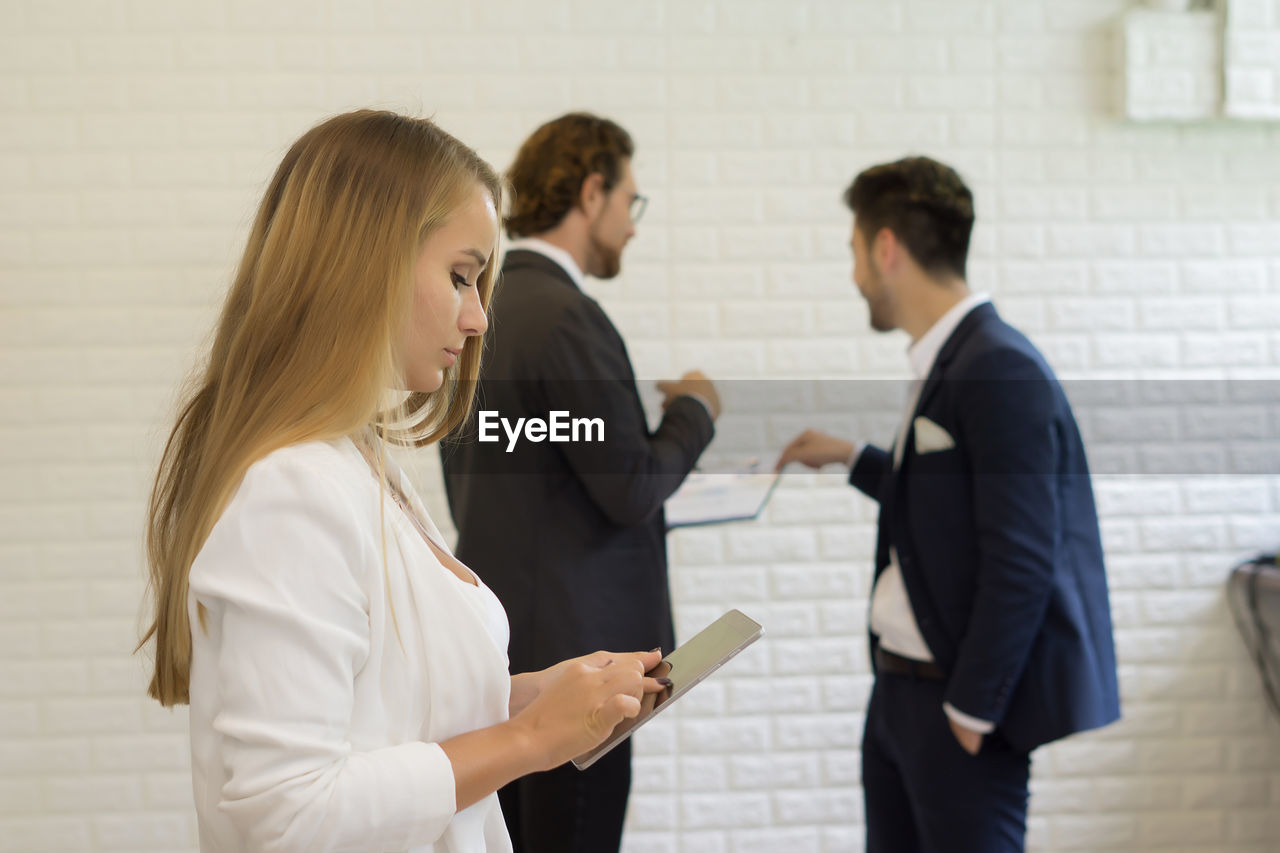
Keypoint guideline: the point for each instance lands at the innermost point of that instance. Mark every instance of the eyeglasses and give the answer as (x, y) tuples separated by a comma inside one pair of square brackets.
[(636, 209)]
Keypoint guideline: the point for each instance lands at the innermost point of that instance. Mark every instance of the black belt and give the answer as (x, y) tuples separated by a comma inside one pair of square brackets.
[(888, 662)]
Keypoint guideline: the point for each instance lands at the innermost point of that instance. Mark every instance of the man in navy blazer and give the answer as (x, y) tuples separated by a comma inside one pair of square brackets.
[(990, 624)]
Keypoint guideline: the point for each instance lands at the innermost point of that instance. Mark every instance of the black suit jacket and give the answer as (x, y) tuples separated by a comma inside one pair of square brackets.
[(997, 538), (570, 536)]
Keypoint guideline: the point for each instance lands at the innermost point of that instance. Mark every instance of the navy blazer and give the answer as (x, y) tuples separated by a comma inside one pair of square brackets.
[(570, 536), (997, 539)]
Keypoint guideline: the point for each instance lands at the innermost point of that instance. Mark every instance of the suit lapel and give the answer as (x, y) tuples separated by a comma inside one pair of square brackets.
[(892, 481), (975, 318), (519, 260)]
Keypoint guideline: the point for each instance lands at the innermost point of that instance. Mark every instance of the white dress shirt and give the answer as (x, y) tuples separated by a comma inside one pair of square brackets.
[(892, 618), (336, 652), (555, 253)]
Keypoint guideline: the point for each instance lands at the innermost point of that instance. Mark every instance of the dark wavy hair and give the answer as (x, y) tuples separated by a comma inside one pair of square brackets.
[(551, 165), (924, 203)]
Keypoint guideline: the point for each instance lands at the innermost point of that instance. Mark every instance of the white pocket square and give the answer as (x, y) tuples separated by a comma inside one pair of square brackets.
[(930, 437)]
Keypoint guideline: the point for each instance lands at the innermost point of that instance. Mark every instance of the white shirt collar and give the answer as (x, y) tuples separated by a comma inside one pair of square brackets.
[(555, 253), (924, 352)]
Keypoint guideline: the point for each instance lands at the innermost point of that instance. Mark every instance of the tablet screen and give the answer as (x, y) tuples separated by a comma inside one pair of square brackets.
[(702, 655)]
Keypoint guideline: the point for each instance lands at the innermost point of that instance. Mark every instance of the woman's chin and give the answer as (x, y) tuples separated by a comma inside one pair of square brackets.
[(428, 384)]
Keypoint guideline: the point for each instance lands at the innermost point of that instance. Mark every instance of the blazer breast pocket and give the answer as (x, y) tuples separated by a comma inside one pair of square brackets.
[(930, 438)]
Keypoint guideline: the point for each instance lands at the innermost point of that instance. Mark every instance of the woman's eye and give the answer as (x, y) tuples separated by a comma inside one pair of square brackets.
[(459, 280)]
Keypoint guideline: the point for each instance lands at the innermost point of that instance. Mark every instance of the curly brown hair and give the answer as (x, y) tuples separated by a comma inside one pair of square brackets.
[(551, 165), (924, 203)]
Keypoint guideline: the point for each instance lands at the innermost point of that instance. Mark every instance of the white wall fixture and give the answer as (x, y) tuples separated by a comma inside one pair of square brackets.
[(1172, 63), (1189, 61), (1252, 50)]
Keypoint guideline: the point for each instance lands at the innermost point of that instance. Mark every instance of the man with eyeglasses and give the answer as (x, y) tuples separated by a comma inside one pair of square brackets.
[(571, 535)]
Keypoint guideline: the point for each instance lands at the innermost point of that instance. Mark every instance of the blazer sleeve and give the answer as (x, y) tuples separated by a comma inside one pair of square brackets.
[(1011, 425), (288, 629), (868, 470), (631, 473)]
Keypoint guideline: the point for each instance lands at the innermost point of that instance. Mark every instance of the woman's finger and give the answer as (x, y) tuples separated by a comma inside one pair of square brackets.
[(655, 685), (621, 706)]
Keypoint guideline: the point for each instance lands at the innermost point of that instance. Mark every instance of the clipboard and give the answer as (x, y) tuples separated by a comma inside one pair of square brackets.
[(714, 497), (707, 651)]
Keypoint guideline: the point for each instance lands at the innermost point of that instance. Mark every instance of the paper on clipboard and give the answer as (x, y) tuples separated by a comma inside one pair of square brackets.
[(715, 497)]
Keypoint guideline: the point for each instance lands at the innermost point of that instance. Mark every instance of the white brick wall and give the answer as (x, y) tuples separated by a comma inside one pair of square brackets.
[(135, 139)]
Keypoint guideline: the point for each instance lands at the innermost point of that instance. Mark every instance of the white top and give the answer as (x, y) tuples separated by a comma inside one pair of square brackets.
[(892, 618), (329, 670)]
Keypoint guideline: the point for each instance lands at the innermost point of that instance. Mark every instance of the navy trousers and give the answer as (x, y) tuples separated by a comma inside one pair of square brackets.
[(924, 793), (567, 810)]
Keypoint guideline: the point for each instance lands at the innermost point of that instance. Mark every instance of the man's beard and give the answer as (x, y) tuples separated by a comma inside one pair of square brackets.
[(603, 261), (879, 319), (878, 304)]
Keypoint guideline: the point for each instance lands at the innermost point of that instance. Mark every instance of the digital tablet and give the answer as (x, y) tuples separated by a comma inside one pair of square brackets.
[(702, 655)]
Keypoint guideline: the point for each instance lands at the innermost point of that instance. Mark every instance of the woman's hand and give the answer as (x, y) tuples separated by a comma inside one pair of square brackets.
[(557, 714), (572, 706), (526, 686)]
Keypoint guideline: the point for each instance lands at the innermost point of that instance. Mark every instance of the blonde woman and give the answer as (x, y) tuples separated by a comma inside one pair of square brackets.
[(347, 676)]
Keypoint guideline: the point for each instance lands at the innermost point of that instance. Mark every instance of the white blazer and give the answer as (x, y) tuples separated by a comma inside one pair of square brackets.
[(325, 676)]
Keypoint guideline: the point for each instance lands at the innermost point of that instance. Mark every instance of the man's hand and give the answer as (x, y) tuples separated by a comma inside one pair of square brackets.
[(815, 449), (696, 383), (970, 741)]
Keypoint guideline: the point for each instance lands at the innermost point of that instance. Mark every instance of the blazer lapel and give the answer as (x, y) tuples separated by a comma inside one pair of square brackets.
[(526, 259), (975, 318)]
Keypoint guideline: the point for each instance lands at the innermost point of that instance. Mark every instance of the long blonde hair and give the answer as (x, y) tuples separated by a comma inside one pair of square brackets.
[(305, 348)]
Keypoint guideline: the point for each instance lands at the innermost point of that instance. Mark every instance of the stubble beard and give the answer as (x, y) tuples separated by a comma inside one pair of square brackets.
[(879, 321), (603, 261), (879, 305)]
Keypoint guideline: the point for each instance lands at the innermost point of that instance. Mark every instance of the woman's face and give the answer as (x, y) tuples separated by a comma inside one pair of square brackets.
[(446, 306)]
